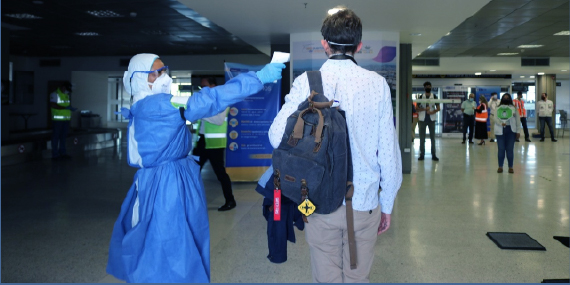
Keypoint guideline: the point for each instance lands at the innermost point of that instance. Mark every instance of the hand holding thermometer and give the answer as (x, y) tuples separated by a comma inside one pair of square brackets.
[(280, 57)]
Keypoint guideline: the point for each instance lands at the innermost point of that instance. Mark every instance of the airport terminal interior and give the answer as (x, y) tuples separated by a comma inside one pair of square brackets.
[(57, 215)]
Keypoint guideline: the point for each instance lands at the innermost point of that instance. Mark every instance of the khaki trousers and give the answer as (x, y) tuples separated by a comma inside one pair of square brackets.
[(328, 242)]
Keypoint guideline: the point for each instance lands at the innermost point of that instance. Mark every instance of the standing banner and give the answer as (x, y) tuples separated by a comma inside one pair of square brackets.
[(248, 152), (452, 115), (486, 91)]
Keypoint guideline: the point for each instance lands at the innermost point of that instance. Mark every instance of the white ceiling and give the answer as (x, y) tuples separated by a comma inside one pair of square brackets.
[(265, 22)]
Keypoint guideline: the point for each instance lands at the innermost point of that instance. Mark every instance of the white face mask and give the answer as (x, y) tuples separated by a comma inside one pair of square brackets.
[(161, 84)]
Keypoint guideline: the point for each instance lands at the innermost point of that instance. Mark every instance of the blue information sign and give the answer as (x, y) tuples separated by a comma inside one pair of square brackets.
[(249, 122)]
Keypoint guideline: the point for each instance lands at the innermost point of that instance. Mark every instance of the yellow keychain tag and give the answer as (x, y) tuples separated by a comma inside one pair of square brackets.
[(307, 207)]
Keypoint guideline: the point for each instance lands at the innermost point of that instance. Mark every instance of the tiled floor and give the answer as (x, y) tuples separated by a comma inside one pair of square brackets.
[(57, 219)]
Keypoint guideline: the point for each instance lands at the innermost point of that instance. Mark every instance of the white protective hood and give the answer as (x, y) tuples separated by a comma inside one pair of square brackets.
[(138, 85)]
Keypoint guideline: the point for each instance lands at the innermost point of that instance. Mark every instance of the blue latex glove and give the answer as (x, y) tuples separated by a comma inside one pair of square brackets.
[(125, 112), (270, 72)]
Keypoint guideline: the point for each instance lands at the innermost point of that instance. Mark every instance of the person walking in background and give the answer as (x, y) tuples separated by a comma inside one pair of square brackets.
[(493, 104), (211, 146), (545, 108), (507, 130), (519, 103), (61, 109), (427, 115), (468, 108), (481, 115), (414, 120)]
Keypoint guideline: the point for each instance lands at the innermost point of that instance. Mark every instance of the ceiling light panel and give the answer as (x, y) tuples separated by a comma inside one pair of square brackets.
[(530, 46), (104, 14), (87, 34), (22, 16), (507, 53), (563, 33)]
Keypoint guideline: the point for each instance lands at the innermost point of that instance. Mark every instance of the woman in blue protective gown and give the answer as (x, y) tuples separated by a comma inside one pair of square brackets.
[(162, 233)]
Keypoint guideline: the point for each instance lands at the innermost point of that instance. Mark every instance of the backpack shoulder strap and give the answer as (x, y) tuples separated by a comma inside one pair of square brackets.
[(315, 82)]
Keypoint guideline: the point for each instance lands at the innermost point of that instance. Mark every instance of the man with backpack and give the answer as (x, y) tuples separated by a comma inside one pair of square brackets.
[(365, 98)]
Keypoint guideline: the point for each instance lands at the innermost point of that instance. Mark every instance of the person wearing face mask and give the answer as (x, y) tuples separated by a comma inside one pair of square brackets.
[(162, 232), (545, 108), (61, 109), (365, 97), (427, 115), (481, 116), (212, 145), (468, 108), (507, 130), (519, 103), (493, 104)]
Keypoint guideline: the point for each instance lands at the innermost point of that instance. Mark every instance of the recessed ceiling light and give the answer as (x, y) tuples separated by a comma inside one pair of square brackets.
[(104, 14), (532, 76), (540, 73), (477, 73), (563, 33), (87, 34), (415, 34), (564, 70), (492, 70), (419, 54), (22, 16), (173, 76), (507, 53), (530, 46), (522, 76), (154, 32), (448, 34)]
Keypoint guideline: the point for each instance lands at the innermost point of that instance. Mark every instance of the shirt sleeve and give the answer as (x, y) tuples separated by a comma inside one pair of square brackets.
[(518, 120), (299, 92), (53, 97), (389, 155)]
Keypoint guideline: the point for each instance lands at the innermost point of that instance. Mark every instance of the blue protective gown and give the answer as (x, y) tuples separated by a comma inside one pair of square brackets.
[(162, 233)]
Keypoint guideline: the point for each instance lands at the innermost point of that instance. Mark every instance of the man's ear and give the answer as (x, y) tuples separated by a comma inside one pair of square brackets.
[(325, 44), (359, 47)]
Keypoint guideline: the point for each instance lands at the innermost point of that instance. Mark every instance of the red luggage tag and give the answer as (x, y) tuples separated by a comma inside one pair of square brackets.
[(277, 205)]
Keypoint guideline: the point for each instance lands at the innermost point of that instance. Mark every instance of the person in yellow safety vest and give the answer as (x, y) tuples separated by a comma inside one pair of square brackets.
[(61, 116), (519, 103), (211, 146), (414, 120)]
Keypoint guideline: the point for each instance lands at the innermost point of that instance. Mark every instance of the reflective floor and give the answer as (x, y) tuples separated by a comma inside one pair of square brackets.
[(57, 218)]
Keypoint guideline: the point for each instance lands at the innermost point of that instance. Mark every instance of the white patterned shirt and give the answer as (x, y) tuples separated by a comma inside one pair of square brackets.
[(365, 97)]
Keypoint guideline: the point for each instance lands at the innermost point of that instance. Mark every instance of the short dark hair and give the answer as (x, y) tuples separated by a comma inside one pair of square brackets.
[(545, 94), (342, 27), (211, 80), (494, 93), (427, 83), (519, 93)]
